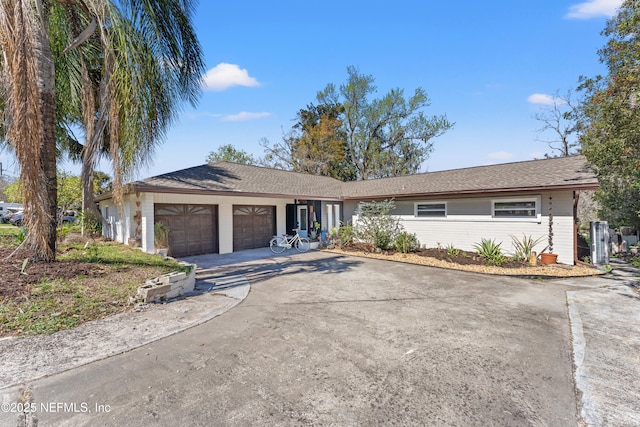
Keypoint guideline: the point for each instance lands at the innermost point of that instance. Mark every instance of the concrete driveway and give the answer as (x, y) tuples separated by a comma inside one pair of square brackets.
[(329, 340)]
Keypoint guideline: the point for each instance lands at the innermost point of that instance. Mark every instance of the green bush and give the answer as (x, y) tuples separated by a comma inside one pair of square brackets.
[(452, 251), (92, 225), (346, 235), (406, 242), (375, 224), (490, 251)]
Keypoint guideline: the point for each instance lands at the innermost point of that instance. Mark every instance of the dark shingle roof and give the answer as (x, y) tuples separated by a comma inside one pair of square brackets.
[(535, 175), (225, 177)]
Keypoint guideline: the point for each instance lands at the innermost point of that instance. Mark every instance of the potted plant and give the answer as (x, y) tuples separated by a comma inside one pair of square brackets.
[(161, 238), (314, 235), (549, 257)]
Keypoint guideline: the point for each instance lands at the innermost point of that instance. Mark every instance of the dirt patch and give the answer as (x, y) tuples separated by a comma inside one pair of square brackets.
[(16, 280), (38, 297), (470, 261)]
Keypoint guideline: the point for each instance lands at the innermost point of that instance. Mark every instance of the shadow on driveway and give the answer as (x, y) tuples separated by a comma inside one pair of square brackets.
[(259, 265)]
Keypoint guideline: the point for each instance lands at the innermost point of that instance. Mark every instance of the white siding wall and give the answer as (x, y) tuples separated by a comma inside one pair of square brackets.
[(469, 220)]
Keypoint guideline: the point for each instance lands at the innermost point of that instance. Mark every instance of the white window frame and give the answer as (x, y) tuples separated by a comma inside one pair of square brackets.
[(415, 210), (525, 218)]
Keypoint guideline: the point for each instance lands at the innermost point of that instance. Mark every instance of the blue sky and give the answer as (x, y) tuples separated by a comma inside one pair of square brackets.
[(488, 66)]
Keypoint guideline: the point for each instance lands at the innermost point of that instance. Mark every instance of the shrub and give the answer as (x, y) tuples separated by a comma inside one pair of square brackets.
[(452, 251), (92, 225), (525, 247), (406, 242), (346, 235), (490, 251), (375, 224)]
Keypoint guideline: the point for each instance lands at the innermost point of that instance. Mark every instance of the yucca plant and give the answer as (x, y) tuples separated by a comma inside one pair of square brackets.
[(452, 251), (490, 251), (524, 247)]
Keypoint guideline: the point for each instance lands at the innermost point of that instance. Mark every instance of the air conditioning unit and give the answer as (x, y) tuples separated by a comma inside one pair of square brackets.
[(600, 243)]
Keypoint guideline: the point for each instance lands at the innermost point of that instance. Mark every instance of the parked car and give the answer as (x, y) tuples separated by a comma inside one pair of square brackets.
[(67, 216), (6, 216), (16, 219)]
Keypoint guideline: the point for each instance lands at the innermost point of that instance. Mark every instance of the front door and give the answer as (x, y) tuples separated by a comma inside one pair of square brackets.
[(302, 220)]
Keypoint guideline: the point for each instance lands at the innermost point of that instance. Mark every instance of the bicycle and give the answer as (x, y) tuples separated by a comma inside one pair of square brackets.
[(279, 243)]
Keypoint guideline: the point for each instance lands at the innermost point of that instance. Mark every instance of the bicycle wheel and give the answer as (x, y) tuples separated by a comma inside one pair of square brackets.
[(277, 245), (303, 244)]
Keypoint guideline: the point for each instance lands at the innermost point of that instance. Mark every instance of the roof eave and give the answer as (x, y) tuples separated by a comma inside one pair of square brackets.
[(172, 190), (494, 191)]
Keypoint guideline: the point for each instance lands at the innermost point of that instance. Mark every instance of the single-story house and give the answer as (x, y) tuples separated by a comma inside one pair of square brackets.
[(226, 207)]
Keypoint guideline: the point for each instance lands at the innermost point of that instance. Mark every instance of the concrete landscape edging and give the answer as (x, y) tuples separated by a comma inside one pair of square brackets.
[(168, 286)]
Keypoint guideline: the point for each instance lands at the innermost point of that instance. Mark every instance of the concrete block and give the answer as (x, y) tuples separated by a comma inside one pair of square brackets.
[(168, 286), (153, 293)]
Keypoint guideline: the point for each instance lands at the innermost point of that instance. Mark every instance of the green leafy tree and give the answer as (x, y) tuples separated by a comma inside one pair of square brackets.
[(228, 153), (388, 136), (316, 144), (69, 191), (611, 140), (102, 183), (13, 192)]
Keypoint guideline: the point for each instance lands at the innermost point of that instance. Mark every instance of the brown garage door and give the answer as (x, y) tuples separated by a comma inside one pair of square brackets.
[(253, 226), (193, 229)]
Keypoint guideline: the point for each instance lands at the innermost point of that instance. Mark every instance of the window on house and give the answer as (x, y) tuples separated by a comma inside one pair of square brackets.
[(431, 210), (515, 208)]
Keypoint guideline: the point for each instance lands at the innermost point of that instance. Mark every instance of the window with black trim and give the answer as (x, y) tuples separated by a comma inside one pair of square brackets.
[(515, 208), (431, 210)]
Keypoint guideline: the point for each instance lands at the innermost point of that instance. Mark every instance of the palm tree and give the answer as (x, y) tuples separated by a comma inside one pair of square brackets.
[(125, 69), (28, 92)]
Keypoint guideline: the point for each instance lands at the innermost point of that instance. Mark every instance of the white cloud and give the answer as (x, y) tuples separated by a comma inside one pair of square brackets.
[(593, 9), (545, 99), (244, 116), (223, 76), (500, 155)]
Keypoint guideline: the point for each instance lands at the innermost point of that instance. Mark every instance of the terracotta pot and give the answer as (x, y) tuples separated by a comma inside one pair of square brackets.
[(547, 258)]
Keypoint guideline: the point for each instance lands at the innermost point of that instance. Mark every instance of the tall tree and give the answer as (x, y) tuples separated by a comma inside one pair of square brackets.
[(316, 144), (126, 67), (611, 141), (389, 136), (28, 93), (562, 121), (132, 67), (229, 153)]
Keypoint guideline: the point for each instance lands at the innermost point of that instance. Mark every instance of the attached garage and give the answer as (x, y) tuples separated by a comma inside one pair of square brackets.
[(193, 229), (253, 226)]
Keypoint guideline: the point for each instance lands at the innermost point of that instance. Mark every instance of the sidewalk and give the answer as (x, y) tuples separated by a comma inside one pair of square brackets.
[(605, 326)]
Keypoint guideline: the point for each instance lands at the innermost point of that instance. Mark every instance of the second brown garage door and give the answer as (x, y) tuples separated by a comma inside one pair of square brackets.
[(193, 229), (253, 226)]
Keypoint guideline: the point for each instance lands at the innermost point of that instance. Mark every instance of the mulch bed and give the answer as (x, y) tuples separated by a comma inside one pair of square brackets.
[(470, 261), (462, 257)]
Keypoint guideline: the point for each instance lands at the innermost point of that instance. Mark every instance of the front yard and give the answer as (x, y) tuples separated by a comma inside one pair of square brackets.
[(92, 279)]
